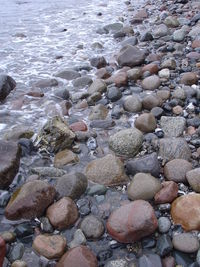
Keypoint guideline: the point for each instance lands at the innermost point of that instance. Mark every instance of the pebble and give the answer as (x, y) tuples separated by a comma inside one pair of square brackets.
[(132, 104), (193, 178), (151, 82), (7, 84), (19, 263), (185, 242), (150, 260), (164, 245), (16, 252), (92, 227), (130, 56), (78, 239), (164, 224), (64, 158), (167, 194), (2, 250), (172, 126), (146, 123), (8, 237)]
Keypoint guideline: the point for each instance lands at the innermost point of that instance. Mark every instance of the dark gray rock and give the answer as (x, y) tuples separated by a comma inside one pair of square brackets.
[(130, 56), (46, 83), (130, 41), (62, 93), (16, 252), (164, 245), (68, 74), (7, 84), (82, 82), (98, 62), (102, 124), (114, 94), (92, 227), (150, 260)]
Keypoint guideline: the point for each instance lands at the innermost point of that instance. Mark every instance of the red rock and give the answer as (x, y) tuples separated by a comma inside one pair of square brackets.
[(131, 222), (2, 250), (185, 211), (167, 194), (78, 126), (152, 68), (79, 256), (168, 262), (196, 44), (120, 79)]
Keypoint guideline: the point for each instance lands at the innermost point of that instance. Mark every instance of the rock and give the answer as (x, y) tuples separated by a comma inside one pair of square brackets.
[(185, 211), (8, 237), (78, 256), (169, 63), (62, 93), (171, 21), (82, 82), (18, 132), (92, 99), (99, 112), (108, 170), (63, 213), (9, 162), (78, 239), (71, 185), (150, 101), (119, 79), (168, 262), (132, 104), (48, 171), (78, 126), (113, 27), (96, 189), (50, 246), (189, 78), (183, 259), (164, 74), (68, 74), (160, 31), (193, 178), (179, 93), (44, 83), (102, 124), (151, 82), (23, 230), (130, 56), (30, 200), (19, 263), (132, 221), (7, 84), (146, 164), (173, 148), (117, 263), (164, 224), (179, 35), (65, 157), (129, 41), (176, 169), (134, 74), (152, 68), (147, 36), (150, 260), (164, 245), (16, 252), (45, 225), (185, 242), (2, 250), (146, 123), (167, 194), (55, 135), (143, 186), (98, 86), (114, 94), (92, 227), (157, 112), (126, 142), (98, 62)]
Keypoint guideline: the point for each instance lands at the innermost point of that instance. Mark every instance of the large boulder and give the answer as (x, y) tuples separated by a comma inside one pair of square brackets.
[(130, 56), (9, 162), (7, 84), (30, 200), (132, 222)]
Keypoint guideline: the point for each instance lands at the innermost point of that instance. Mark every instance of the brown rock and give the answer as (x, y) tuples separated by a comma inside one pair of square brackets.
[(196, 44), (30, 200), (119, 79), (163, 94), (78, 126), (50, 246), (150, 101), (2, 250), (131, 222), (175, 170), (193, 178), (167, 194), (35, 94), (189, 78), (152, 68), (168, 262), (191, 130), (79, 256), (146, 123), (177, 110), (103, 73), (63, 213), (65, 157), (151, 82), (185, 211)]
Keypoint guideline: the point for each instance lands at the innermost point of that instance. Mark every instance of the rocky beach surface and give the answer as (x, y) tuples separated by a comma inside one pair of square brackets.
[(100, 135)]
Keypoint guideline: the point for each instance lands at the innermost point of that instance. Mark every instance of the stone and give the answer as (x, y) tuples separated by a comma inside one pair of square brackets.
[(78, 256), (119, 79), (45, 225), (98, 62), (173, 148), (130, 56), (167, 194), (151, 83), (176, 169), (102, 124), (108, 170), (172, 126), (189, 78), (8, 237), (164, 224), (179, 93), (63, 213), (152, 68), (78, 239), (132, 104), (134, 74), (160, 31), (179, 35), (114, 94), (194, 32), (78, 126), (44, 83), (132, 221), (185, 242), (50, 246), (82, 82), (149, 260), (193, 178), (98, 86), (7, 84), (68, 74), (16, 252), (177, 110), (126, 142), (30, 200), (19, 263), (92, 227), (147, 36), (146, 123), (157, 112), (65, 157), (129, 41), (113, 27), (18, 132), (185, 211), (171, 21), (117, 263), (55, 135), (9, 162), (48, 172), (146, 164), (71, 185), (143, 186), (104, 73), (168, 262), (2, 250), (99, 112), (164, 245), (62, 93), (169, 63), (164, 74)]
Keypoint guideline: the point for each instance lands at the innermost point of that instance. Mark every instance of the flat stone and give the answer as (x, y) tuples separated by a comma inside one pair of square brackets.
[(117, 263), (78, 126), (65, 157), (30, 200), (126, 142), (63, 213), (185, 211), (130, 56), (167, 194), (44, 83), (108, 170), (173, 126), (98, 62), (132, 104), (50, 246), (19, 263), (151, 101), (143, 186), (82, 82), (179, 35), (68, 74), (98, 86), (193, 178), (92, 227), (185, 242), (48, 172), (160, 31), (9, 162), (151, 82), (134, 74), (146, 122), (131, 222), (171, 21), (16, 252), (7, 84)]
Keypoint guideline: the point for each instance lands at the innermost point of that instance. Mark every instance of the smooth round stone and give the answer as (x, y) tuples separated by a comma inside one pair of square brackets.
[(114, 94), (189, 78), (16, 252), (168, 262), (176, 169), (8, 237), (179, 93), (97, 189), (193, 178), (130, 56), (64, 158), (164, 224), (157, 112), (132, 104), (2, 250), (150, 101), (92, 227), (146, 123), (151, 82), (78, 239), (160, 31), (62, 93), (99, 112), (143, 186), (45, 225), (23, 230), (164, 74), (179, 35), (185, 242), (185, 211), (171, 21), (78, 256), (19, 263)]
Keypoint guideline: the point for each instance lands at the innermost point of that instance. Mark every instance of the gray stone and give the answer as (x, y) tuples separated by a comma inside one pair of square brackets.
[(179, 35), (185, 242), (195, 32), (82, 82), (78, 239), (7, 84), (16, 252), (171, 21), (164, 245), (130, 41), (151, 82), (92, 227), (164, 224), (134, 74), (68, 74), (98, 62), (130, 56), (113, 27), (173, 126), (114, 94), (160, 31), (99, 112), (146, 123), (46, 83), (132, 104), (149, 260), (98, 86), (179, 93), (117, 263), (48, 171), (126, 142), (97, 189), (193, 178)]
